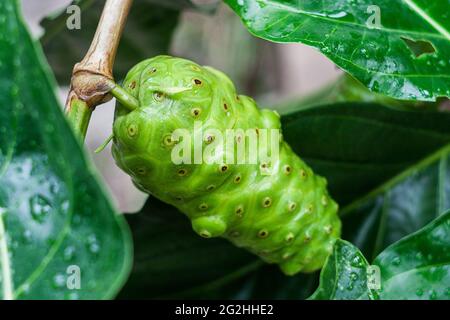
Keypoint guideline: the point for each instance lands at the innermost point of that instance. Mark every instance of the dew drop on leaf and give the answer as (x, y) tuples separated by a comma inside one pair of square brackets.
[(432, 295), (93, 244), (419, 292), (59, 280), (27, 236), (26, 288), (357, 261), (396, 261), (40, 208), (65, 207), (69, 253)]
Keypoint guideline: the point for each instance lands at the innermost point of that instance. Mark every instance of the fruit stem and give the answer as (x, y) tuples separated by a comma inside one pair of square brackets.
[(126, 99), (79, 117), (92, 79)]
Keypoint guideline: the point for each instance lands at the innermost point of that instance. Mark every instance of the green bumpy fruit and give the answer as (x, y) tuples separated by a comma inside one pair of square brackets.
[(286, 218)]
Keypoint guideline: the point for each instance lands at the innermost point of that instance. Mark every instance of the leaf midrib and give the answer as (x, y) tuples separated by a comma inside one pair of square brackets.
[(395, 180), (335, 21), (427, 18), (376, 122)]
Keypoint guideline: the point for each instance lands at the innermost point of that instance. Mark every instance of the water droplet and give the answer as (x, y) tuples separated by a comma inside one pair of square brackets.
[(93, 244), (27, 236), (59, 280), (65, 206), (26, 288), (39, 207), (396, 261), (432, 295), (94, 248), (337, 15), (69, 253), (54, 188), (419, 292), (357, 261)]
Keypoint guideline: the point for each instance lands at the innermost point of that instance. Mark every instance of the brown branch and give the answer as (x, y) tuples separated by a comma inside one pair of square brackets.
[(92, 78)]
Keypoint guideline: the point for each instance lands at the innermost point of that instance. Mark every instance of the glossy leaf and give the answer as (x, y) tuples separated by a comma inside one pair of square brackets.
[(401, 205), (171, 261), (344, 276), (358, 147), (147, 33), (416, 267), (55, 218), (387, 169), (398, 48), (350, 91)]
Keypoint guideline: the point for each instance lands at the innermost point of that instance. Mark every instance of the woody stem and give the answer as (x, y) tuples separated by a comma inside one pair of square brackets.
[(92, 79)]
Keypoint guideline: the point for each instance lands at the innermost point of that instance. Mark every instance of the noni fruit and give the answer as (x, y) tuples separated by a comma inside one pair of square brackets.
[(278, 209)]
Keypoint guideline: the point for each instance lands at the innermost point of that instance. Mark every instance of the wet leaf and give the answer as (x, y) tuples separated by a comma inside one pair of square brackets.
[(60, 238), (171, 261), (416, 267), (398, 48), (344, 276)]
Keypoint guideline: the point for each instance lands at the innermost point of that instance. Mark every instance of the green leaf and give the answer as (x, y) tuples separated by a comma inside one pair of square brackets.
[(54, 214), (405, 56), (147, 33), (348, 90), (344, 276), (401, 205), (171, 261), (416, 267), (358, 147), (387, 169)]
